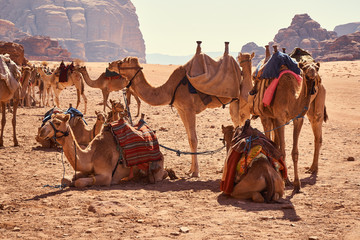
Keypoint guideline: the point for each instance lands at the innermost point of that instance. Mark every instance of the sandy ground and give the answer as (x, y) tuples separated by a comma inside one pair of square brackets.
[(328, 206)]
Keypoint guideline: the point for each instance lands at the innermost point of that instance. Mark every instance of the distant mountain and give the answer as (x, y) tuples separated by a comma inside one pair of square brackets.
[(156, 58), (348, 28)]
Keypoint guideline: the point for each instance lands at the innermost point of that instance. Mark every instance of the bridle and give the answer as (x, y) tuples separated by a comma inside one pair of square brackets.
[(124, 68), (64, 134)]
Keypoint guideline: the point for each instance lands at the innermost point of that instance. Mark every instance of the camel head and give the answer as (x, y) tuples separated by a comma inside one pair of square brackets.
[(57, 127), (245, 57), (228, 132), (118, 108), (100, 116), (11, 65), (310, 69), (126, 67)]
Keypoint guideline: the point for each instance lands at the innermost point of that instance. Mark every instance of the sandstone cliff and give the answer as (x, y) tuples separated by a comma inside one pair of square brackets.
[(92, 30), (348, 28), (16, 52)]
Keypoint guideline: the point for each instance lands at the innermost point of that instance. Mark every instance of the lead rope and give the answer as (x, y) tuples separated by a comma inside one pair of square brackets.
[(127, 107)]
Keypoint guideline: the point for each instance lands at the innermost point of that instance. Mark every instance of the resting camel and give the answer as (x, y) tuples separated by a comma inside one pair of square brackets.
[(82, 132), (187, 104), (291, 100), (10, 88), (98, 160), (117, 111), (108, 85), (259, 180)]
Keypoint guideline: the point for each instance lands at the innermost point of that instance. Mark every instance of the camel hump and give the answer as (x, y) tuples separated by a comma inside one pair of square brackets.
[(9, 72)]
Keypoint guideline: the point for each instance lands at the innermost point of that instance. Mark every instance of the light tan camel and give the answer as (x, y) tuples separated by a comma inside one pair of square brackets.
[(187, 104), (74, 78), (97, 162), (47, 81), (228, 132), (82, 132), (10, 88), (292, 100), (117, 111), (108, 85)]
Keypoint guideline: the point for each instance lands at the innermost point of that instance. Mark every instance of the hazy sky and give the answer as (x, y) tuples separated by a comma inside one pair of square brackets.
[(173, 26)]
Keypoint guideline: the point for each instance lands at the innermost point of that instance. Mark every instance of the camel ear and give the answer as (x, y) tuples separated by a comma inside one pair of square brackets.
[(96, 112), (252, 55), (67, 117), (317, 66)]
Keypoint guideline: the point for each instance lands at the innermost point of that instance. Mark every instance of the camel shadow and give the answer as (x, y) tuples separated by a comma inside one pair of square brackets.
[(46, 149), (285, 205), (166, 185)]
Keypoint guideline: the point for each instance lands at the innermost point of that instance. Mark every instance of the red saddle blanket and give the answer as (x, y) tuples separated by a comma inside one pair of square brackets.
[(138, 144)]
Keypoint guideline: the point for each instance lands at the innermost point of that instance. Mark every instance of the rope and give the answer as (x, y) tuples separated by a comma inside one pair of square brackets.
[(61, 186), (178, 152)]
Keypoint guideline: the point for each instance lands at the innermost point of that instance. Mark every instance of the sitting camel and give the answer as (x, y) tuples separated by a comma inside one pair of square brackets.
[(83, 134), (98, 163), (10, 88), (228, 132), (291, 101), (117, 112), (176, 93), (108, 85), (253, 171)]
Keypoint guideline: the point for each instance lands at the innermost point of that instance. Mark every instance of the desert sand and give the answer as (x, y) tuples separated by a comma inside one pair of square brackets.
[(328, 206)]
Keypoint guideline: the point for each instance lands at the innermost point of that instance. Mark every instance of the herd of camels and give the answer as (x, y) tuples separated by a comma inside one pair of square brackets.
[(290, 102)]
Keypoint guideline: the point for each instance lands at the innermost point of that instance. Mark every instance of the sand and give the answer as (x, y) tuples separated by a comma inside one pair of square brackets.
[(328, 206)]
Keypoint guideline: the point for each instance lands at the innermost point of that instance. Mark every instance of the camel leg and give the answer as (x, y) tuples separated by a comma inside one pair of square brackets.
[(250, 187), (3, 122), (57, 93), (244, 111), (85, 102), (295, 152), (189, 121), (138, 105), (267, 126), (234, 112), (78, 98), (105, 97), (98, 180), (15, 106)]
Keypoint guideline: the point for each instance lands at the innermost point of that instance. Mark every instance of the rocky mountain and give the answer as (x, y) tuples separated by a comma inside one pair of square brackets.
[(303, 32), (92, 30), (16, 52), (253, 47), (348, 28)]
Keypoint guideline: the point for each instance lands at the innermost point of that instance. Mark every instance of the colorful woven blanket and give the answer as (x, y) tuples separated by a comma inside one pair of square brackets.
[(138, 144)]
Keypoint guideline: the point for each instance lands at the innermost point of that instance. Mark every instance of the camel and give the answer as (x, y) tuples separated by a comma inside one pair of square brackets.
[(258, 180), (117, 112), (47, 81), (83, 134), (292, 101), (228, 132), (97, 164), (10, 88), (108, 85), (74, 78), (187, 104)]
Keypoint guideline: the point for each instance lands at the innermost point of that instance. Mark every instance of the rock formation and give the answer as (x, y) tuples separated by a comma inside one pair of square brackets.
[(43, 48), (16, 52), (348, 28), (253, 47), (91, 30), (303, 32)]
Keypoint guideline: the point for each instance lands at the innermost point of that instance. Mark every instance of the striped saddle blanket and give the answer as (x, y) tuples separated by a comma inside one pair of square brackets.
[(138, 144)]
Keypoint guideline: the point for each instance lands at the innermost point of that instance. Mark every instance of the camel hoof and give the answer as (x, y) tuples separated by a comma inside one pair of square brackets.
[(193, 174), (288, 183), (66, 182), (312, 170)]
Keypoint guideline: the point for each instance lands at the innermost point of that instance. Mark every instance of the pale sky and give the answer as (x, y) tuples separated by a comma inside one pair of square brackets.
[(172, 27)]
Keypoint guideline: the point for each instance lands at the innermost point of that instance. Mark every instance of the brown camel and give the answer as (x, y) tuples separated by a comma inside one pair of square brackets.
[(47, 81), (259, 175), (228, 132), (292, 101), (108, 85), (10, 88), (187, 104), (97, 162), (117, 112)]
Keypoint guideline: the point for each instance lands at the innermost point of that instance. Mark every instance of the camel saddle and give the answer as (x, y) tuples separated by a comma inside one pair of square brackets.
[(220, 78), (247, 144), (64, 72), (137, 144), (9, 71)]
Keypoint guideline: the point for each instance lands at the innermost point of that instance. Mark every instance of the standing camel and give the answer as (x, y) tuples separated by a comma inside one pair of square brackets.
[(292, 101), (47, 81), (98, 162), (74, 78), (108, 85), (187, 104), (10, 88)]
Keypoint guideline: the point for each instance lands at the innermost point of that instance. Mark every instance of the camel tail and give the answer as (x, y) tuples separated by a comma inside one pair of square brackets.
[(326, 117)]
